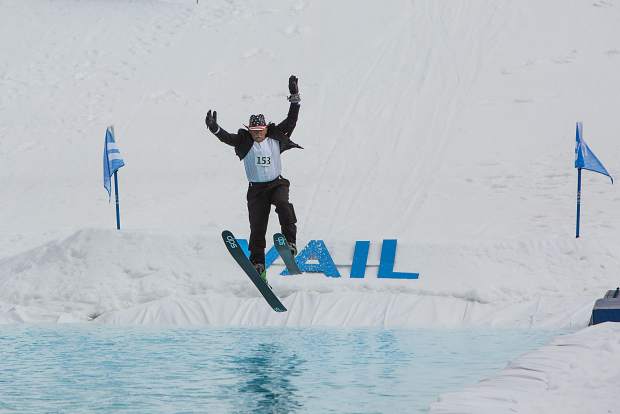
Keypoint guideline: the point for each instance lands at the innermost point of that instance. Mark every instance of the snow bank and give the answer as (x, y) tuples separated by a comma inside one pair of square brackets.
[(576, 373), (149, 278)]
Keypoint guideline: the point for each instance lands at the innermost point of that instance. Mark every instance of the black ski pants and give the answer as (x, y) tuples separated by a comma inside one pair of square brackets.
[(260, 198)]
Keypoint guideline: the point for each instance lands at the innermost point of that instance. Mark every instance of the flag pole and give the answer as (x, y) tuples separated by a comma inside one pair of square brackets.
[(118, 215), (578, 201)]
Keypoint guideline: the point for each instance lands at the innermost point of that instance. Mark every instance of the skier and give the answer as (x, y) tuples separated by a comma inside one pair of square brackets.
[(259, 147)]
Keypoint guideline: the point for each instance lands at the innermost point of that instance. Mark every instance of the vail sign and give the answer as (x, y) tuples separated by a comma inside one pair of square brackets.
[(321, 261)]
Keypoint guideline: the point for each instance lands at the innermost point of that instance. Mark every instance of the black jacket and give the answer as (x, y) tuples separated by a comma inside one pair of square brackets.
[(242, 140)]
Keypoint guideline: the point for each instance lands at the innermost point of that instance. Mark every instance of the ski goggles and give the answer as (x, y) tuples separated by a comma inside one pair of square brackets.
[(257, 128)]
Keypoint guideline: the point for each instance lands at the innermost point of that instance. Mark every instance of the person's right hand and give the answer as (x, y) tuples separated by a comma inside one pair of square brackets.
[(211, 121)]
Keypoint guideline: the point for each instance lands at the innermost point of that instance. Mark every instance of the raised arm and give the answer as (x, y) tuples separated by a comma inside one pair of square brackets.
[(220, 133), (288, 125)]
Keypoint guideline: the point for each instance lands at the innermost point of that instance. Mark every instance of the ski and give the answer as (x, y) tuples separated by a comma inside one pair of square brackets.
[(285, 253), (237, 253)]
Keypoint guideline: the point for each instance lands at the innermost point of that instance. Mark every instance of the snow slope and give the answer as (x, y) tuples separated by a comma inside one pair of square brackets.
[(448, 126)]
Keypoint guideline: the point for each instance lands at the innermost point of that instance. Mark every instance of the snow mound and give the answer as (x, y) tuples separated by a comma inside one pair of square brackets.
[(573, 374), (157, 278)]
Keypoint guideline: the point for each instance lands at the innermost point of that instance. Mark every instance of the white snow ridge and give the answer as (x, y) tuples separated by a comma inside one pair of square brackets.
[(573, 374), (448, 126), (160, 278)]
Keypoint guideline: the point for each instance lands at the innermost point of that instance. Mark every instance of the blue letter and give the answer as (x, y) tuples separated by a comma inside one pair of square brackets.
[(316, 250), (386, 266), (360, 259), (243, 243)]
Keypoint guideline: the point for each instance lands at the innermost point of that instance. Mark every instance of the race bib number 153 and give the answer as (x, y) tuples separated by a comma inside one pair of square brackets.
[(263, 161)]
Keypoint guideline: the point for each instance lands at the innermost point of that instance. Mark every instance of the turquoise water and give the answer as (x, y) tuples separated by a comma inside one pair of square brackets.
[(92, 368)]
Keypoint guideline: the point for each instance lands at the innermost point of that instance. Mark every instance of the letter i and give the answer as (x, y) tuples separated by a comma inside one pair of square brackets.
[(360, 259)]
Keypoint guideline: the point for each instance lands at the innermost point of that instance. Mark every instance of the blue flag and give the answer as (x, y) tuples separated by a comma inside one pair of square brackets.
[(585, 158), (112, 159)]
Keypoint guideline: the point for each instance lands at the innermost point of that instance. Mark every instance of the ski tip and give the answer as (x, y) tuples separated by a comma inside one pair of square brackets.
[(228, 235)]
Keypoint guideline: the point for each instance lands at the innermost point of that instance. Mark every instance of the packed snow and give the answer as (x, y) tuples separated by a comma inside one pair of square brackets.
[(448, 126), (575, 374)]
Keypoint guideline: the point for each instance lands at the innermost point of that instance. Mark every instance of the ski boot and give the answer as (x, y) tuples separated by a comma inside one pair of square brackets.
[(262, 272)]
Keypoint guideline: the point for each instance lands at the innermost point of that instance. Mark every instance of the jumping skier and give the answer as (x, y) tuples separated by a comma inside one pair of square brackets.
[(259, 147)]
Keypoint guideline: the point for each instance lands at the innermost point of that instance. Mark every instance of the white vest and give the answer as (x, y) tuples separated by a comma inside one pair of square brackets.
[(262, 162)]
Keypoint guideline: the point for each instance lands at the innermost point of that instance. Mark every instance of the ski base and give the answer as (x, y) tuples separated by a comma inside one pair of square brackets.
[(285, 253), (237, 253)]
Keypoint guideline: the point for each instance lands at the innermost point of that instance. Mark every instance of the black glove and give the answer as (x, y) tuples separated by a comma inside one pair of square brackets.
[(293, 88), (211, 121), (292, 85)]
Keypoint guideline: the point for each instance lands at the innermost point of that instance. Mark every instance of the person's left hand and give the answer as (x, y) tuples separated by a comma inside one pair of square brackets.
[(293, 88)]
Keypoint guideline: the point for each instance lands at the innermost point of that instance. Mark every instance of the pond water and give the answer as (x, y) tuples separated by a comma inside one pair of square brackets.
[(96, 368)]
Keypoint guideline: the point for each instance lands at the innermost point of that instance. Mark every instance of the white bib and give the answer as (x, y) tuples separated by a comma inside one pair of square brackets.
[(262, 162)]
